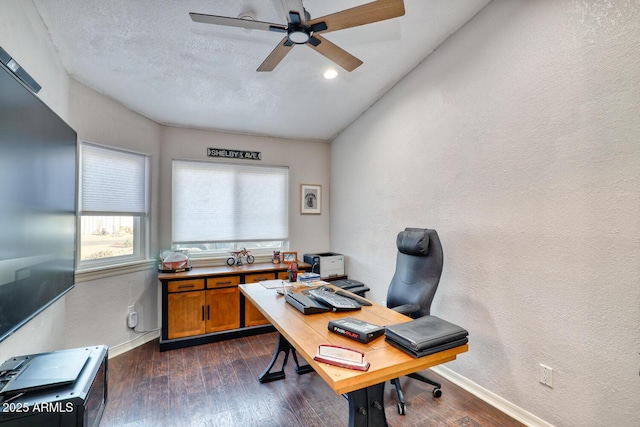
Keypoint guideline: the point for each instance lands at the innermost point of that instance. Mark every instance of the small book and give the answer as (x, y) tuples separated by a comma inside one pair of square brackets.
[(356, 329), (308, 276), (341, 356), (425, 332), (316, 283)]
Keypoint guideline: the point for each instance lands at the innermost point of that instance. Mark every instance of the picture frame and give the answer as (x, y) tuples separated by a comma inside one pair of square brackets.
[(310, 199), (289, 257)]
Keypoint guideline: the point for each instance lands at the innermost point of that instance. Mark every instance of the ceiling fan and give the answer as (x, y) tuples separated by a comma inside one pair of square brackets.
[(301, 29)]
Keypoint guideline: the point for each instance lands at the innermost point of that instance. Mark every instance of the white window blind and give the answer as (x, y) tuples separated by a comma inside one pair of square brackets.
[(112, 181), (219, 202)]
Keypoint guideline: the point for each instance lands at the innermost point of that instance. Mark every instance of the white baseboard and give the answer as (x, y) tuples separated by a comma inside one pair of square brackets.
[(119, 349), (491, 398)]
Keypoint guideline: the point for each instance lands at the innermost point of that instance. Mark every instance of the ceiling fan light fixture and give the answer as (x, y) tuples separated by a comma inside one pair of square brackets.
[(330, 73), (299, 36)]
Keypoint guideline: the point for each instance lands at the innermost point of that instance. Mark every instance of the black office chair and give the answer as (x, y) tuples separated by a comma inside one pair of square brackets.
[(414, 284)]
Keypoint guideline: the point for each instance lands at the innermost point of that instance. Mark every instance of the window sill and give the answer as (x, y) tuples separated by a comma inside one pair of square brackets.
[(215, 261), (102, 272)]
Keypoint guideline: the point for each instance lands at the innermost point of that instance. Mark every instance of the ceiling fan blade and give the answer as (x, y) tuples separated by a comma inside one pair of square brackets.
[(335, 53), (368, 13), (276, 56), (236, 22)]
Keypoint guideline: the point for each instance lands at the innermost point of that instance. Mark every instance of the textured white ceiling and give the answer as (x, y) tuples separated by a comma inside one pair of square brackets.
[(151, 57)]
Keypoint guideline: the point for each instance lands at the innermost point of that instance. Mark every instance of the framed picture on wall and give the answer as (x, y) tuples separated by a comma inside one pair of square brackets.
[(310, 199)]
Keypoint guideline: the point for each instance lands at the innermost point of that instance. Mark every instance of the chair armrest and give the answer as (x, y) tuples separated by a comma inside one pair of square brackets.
[(406, 309)]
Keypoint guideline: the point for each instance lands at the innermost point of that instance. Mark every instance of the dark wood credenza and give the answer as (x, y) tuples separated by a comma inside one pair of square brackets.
[(205, 305)]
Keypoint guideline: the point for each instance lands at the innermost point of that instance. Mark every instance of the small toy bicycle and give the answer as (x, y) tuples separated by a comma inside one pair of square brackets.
[(236, 257)]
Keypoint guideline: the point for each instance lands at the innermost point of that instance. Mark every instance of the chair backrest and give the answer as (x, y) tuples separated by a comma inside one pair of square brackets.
[(418, 269)]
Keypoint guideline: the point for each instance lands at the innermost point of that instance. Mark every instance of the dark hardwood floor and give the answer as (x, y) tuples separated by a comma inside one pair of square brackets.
[(216, 385)]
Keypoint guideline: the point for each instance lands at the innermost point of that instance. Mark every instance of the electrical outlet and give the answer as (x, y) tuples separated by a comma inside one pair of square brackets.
[(132, 320), (132, 317), (546, 375)]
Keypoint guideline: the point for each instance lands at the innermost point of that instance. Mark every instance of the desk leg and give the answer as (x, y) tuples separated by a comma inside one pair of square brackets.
[(300, 369), (366, 407), (285, 347)]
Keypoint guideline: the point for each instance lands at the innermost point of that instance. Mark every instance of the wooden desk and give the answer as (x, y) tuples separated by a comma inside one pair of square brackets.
[(364, 389)]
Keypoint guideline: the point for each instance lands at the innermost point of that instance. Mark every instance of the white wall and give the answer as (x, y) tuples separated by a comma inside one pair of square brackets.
[(518, 141), (24, 37), (97, 308), (308, 163), (94, 312)]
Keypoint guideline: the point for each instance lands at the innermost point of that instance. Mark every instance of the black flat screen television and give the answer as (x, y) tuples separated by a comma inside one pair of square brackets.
[(37, 205)]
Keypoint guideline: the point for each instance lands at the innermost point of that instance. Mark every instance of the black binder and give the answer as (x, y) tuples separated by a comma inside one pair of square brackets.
[(429, 350), (426, 335)]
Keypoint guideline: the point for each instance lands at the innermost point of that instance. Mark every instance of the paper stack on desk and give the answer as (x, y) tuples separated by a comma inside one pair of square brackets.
[(308, 276), (425, 335)]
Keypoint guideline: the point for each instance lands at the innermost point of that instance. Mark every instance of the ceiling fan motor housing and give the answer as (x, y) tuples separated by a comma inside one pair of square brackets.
[(298, 34)]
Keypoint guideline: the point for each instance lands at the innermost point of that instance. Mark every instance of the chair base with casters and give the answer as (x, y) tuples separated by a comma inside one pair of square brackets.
[(419, 264), (407, 309), (402, 406)]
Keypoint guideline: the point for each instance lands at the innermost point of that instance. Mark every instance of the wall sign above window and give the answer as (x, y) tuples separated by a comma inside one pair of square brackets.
[(234, 154)]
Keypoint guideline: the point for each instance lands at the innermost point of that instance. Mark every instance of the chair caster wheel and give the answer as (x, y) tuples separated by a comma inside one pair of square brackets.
[(437, 392), (402, 409)]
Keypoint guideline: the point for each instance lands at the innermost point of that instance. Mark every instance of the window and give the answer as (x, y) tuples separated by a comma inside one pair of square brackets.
[(112, 207), (220, 207)]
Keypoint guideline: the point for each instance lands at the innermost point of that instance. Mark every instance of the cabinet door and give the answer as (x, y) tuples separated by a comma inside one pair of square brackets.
[(252, 316), (223, 309), (185, 314)]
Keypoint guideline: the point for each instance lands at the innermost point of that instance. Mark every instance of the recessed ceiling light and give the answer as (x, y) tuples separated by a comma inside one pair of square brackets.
[(331, 73)]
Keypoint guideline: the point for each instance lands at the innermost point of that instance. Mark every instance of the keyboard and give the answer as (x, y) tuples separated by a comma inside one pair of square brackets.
[(333, 301), (354, 297)]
